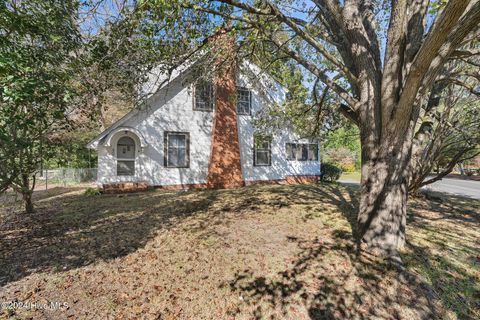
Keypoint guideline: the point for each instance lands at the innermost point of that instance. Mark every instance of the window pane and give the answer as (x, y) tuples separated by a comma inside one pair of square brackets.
[(313, 152), (262, 151), (126, 148), (243, 101), (293, 152), (176, 150), (262, 158), (176, 140), (172, 160), (243, 108), (304, 152), (177, 157), (125, 168), (298, 152), (172, 141), (288, 151), (182, 161), (204, 96)]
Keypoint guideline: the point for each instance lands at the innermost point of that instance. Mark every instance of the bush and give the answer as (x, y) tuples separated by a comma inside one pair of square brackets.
[(348, 167), (330, 172), (341, 157), (92, 191)]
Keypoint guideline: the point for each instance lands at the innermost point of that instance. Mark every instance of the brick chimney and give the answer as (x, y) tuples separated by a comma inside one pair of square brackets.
[(224, 169)]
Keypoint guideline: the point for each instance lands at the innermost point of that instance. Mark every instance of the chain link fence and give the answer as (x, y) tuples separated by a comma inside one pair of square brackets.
[(48, 179), (63, 177)]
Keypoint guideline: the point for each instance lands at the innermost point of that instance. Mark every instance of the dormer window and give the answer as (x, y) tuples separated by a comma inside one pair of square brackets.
[(203, 96), (244, 101)]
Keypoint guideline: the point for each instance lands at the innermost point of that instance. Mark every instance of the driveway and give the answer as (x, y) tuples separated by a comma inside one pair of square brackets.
[(465, 188)]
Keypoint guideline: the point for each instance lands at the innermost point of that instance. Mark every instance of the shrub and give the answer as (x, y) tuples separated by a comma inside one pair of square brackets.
[(348, 167), (330, 172), (92, 191), (341, 157)]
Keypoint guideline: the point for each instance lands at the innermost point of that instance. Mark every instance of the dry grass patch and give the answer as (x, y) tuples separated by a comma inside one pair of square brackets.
[(265, 252)]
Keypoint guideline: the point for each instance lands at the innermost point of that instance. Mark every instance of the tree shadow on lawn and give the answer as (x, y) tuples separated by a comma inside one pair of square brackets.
[(325, 276), (13, 199), (444, 246), (76, 230), (71, 230), (313, 196), (345, 198), (328, 280), (332, 282)]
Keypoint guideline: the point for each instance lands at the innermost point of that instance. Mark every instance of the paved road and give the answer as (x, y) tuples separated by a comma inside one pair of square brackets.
[(466, 188)]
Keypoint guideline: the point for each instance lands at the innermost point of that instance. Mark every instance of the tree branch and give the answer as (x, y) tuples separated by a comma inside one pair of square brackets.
[(292, 23), (462, 54), (352, 102), (348, 113), (311, 41), (456, 159), (457, 82), (446, 34)]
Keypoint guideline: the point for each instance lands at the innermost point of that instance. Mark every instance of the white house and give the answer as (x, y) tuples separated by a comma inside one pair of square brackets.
[(192, 133)]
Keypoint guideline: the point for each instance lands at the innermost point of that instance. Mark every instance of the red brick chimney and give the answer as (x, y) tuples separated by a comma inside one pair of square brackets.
[(224, 169)]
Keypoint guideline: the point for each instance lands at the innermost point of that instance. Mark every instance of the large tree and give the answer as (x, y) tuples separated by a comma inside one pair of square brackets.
[(380, 58), (62, 63), (37, 39), (448, 132)]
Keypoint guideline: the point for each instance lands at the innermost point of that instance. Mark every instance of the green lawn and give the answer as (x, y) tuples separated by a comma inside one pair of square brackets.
[(260, 252), (351, 176)]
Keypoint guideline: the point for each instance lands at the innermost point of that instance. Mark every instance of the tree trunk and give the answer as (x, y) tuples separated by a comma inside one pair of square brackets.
[(384, 192), (461, 169), (27, 192), (27, 199)]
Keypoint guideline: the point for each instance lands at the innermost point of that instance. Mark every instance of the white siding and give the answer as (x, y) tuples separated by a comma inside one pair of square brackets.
[(171, 110), (280, 166)]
